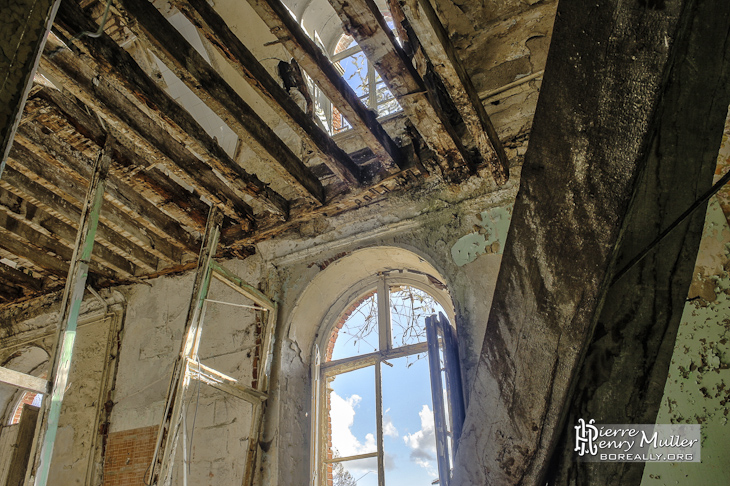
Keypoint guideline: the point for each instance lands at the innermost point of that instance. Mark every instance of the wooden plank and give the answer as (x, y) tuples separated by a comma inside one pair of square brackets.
[(19, 461), (23, 159), (363, 21), (179, 202), (433, 37), (163, 457), (223, 382), (214, 28), (53, 146), (20, 279), (117, 69), (17, 183), (309, 56), (73, 295), (188, 65), (41, 220), (23, 381), (127, 118), (29, 236)]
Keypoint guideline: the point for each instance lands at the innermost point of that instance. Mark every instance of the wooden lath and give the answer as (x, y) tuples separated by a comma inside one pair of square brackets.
[(120, 79), (44, 222), (364, 22), (141, 252), (36, 169), (53, 149), (335, 88), (188, 65), (214, 28), (179, 202), (435, 41)]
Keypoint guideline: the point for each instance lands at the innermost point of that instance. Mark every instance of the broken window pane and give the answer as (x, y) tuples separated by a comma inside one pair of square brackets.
[(356, 332), (409, 307), (352, 412)]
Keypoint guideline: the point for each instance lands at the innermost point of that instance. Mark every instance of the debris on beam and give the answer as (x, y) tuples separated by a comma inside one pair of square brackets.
[(188, 65), (434, 39), (364, 22), (335, 88), (214, 28)]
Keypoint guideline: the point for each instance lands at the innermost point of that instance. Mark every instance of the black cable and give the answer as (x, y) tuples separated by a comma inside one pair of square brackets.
[(703, 199)]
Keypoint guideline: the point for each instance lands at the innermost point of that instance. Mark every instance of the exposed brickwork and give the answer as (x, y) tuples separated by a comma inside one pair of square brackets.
[(128, 455), (340, 323), (27, 399)]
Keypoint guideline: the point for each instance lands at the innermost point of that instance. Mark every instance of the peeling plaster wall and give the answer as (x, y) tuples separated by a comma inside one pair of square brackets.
[(698, 385), (77, 451), (218, 424)]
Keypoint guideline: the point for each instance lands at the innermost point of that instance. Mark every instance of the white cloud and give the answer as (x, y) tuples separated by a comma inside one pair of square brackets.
[(342, 415), (423, 442), (389, 429)]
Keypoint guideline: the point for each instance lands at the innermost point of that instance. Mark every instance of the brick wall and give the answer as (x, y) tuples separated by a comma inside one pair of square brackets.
[(128, 455)]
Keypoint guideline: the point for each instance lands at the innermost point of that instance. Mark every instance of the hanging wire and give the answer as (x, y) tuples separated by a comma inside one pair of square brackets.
[(100, 30), (703, 199)]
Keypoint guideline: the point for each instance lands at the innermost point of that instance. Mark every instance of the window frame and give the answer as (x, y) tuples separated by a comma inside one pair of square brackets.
[(322, 370)]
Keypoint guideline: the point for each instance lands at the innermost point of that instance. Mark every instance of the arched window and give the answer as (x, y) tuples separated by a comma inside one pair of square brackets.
[(388, 390), (349, 59)]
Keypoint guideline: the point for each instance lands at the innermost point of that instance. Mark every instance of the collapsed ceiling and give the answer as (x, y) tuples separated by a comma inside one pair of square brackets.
[(189, 98)]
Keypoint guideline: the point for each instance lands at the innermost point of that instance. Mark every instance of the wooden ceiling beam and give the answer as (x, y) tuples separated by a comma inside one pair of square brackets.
[(215, 29), (20, 279), (94, 90), (19, 186), (363, 21), (30, 236), (111, 217), (118, 72), (40, 220), (435, 41), (176, 200), (188, 65), (311, 58), (49, 144)]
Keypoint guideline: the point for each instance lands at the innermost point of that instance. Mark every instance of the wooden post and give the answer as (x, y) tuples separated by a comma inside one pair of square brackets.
[(71, 304)]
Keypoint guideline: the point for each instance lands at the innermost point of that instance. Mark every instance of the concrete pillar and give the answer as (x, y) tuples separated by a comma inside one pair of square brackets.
[(606, 106)]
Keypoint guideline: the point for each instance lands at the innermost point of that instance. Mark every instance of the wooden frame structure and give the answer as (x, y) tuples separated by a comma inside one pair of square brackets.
[(188, 367)]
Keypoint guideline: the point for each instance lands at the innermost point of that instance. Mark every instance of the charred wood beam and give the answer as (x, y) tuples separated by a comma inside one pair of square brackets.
[(36, 256), (435, 41), (21, 187), (48, 144), (364, 22), (40, 220), (182, 58), (117, 72), (214, 28), (179, 202), (52, 190), (25, 24), (309, 56), (20, 279)]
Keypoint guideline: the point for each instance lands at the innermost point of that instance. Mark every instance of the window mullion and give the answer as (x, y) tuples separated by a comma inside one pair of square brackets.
[(379, 423), (384, 331)]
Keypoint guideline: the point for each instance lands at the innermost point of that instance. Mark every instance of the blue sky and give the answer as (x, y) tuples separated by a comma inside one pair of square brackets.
[(409, 441)]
